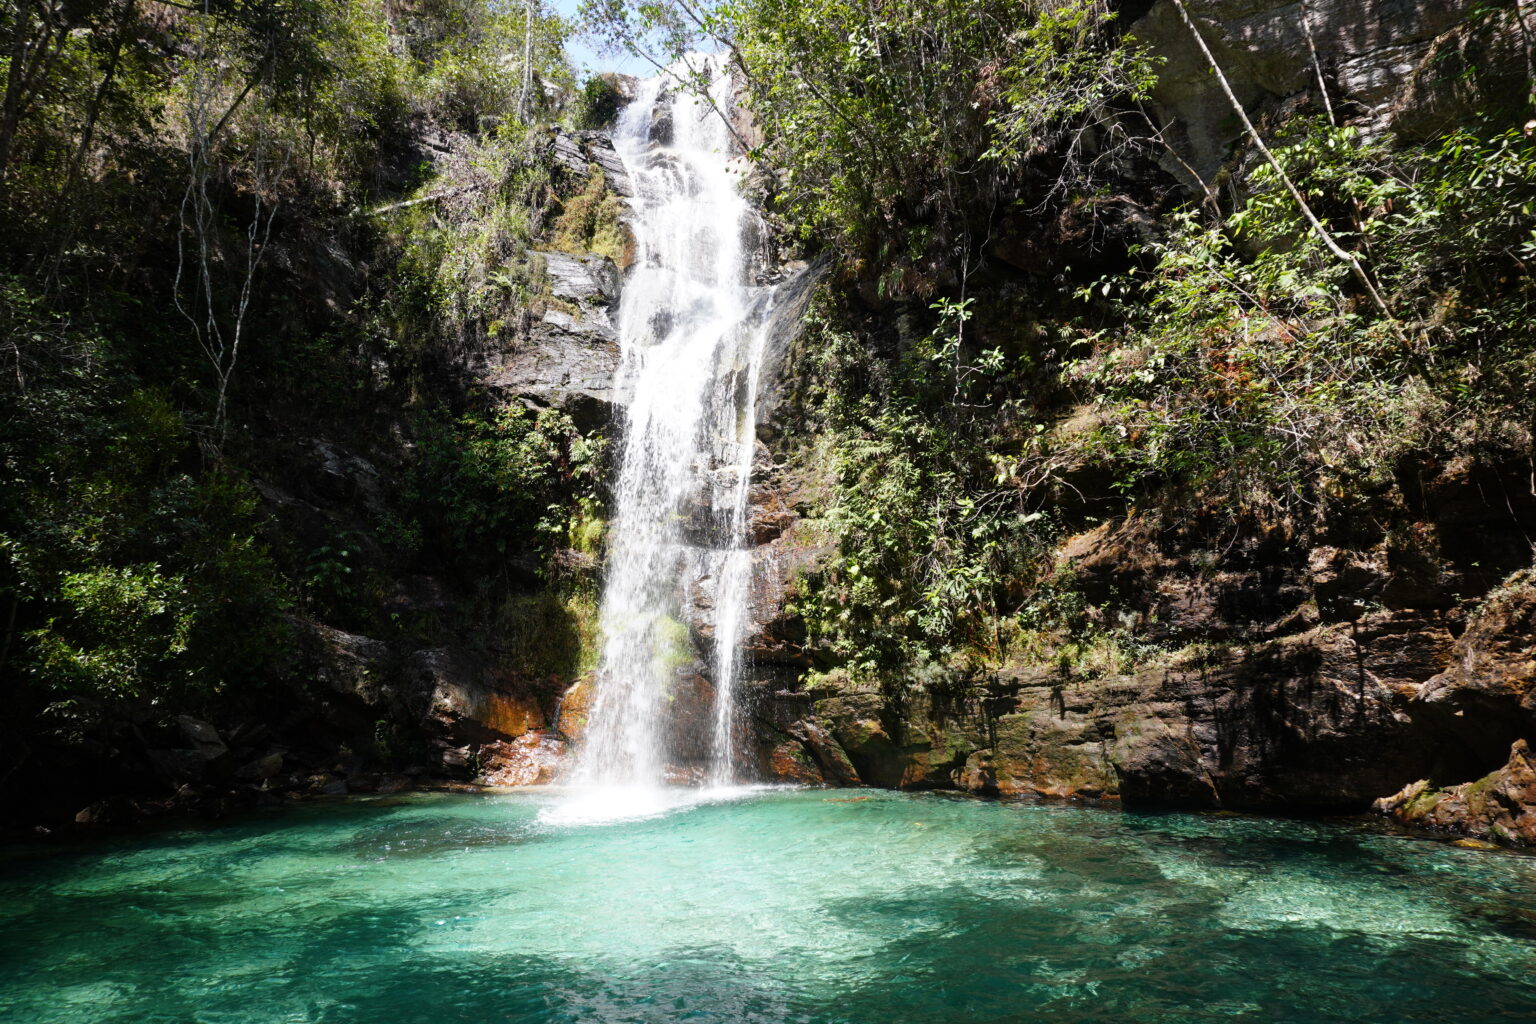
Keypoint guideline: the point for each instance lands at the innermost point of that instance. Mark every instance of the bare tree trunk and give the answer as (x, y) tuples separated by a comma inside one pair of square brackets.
[(530, 10), (29, 65), (200, 221)]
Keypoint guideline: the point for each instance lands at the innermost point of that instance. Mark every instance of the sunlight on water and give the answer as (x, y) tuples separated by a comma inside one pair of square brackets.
[(606, 805), (769, 905)]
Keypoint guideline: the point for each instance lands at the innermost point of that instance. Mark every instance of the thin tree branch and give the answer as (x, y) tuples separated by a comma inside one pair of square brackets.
[(1322, 232)]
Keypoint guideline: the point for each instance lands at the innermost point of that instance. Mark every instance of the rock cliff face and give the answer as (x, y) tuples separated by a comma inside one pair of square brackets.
[(1388, 65), (1304, 676)]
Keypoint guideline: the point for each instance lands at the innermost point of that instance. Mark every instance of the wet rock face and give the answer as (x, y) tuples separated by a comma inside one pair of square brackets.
[(533, 759), (1306, 722), (576, 709), (351, 665)]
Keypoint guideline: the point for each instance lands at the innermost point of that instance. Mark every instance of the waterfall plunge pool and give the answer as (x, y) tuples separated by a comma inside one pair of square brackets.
[(779, 906)]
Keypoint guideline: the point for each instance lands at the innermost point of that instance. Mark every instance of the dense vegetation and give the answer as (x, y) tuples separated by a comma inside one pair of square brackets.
[(225, 240)]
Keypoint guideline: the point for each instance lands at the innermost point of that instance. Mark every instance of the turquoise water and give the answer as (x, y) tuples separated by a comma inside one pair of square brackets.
[(870, 908)]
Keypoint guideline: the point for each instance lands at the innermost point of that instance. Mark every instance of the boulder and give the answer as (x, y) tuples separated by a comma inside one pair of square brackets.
[(857, 721), (352, 665), (115, 810), (1042, 755), (533, 759), (588, 278), (600, 151), (787, 760), (1500, 806), (179, 766), (204, 738), (568, 153), (829, 757), (334, 473), (575, 153)]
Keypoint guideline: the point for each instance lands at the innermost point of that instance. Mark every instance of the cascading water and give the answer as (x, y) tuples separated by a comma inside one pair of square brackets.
[(692, 324)]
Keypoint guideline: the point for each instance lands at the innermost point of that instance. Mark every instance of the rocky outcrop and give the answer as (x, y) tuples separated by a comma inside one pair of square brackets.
[(1481, 712), (569, 356), (466, 710), (1418, 68), (578, 152), (1500, 806), (562, 350), (1485, 699), (1321, 675)]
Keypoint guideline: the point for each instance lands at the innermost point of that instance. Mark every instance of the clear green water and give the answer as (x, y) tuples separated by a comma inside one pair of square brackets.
[(785, 906)]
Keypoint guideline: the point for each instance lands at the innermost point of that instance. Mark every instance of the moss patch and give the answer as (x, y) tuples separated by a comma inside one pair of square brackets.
[(591, 222)]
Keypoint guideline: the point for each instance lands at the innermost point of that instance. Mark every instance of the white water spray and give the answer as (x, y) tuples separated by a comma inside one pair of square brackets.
[(692, 324)]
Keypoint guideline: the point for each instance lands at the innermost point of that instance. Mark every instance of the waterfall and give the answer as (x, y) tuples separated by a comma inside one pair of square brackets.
[(692, 322)]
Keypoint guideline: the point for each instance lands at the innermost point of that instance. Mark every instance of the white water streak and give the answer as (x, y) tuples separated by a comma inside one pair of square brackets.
[(692, 324)]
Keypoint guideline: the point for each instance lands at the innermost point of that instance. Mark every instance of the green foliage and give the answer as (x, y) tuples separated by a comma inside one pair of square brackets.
[(598, 103), (151, 151), (461, 254), (468, 59), (1241, 368), (133, 576), (898, 126), (114, 623), (1250, 364), (499, 487), (926, 542), (897, 130)]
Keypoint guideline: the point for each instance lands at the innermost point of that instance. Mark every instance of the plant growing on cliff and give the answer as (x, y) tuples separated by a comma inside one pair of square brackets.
[(926, 540), (502, 485), (1253, 365)]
